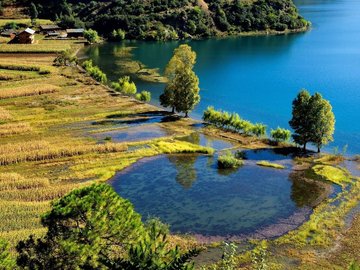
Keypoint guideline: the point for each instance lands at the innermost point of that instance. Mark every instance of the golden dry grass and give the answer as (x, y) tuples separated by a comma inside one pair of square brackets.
[(14, 181), (13, 153), (14, 128), (30, 90), (4, 114)]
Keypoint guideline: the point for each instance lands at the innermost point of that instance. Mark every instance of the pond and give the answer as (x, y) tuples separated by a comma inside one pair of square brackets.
[(259, 76), (192, 195)]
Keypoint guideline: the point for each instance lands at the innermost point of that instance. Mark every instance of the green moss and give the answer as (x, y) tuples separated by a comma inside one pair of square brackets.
[(336, 175), (265, 163)]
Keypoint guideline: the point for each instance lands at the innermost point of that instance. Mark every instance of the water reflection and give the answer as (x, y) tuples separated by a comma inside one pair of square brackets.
[(193, 196)]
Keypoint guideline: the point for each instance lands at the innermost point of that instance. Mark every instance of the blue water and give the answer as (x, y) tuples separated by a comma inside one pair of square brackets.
[(258, 77), (192, 195)]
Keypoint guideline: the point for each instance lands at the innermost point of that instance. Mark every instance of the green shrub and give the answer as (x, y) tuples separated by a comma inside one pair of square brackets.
[(143, 96), (94, 71), (232, 122), (280, 134), (125, 86), (91, 36), (228, 161)]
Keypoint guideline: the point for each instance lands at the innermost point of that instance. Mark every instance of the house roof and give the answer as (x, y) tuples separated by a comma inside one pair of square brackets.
[(8, 32), (49, 27), (29, 31), (78, 30)]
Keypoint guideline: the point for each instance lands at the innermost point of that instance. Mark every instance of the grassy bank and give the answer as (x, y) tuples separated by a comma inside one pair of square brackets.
[(45, 151)]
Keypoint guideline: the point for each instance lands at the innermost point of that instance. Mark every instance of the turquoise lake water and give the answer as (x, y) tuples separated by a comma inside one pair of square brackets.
[(258, 77)]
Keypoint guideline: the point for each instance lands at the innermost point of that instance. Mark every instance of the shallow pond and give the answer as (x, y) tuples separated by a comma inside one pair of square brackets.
[(193, 196)]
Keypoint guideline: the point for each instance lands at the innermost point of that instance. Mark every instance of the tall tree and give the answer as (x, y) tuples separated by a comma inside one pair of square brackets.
[(94, 228), (300, 121), (84, 227), (33, 12), (182, 90), (323, 121), (313, 120)]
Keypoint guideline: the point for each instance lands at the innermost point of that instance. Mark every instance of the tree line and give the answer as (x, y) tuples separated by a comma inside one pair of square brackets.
[(170, 19)]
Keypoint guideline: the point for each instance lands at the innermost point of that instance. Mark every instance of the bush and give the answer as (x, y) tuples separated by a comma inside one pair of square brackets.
[(281, 135), (232, 122), (228, 161), (94, 71), (143, 96), (91, 36), (118, 35), (125, 86)]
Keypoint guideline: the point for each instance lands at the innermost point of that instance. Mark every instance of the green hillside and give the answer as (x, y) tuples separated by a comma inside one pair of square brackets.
[(174, 19)]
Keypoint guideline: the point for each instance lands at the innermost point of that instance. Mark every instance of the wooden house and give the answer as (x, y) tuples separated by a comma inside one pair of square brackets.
[(25, 37), (75, 33), (49, 28)]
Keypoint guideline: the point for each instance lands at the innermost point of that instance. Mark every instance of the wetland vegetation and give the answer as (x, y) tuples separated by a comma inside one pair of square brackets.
[(64, 133)]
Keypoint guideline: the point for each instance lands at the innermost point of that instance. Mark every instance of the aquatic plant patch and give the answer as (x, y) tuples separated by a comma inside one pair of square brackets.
[(265, 163)]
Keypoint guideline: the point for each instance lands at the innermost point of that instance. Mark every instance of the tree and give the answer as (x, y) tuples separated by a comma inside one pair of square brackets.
[(33, 12), (182, 90), (323, 121), (84, 227), (313, 120), (91, 36), (6, 261), (94, 228), (300, 122)]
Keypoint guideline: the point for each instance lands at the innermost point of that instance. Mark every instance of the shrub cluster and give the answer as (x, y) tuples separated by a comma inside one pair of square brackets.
[(233, 122), (229, 161), (143, 96), (94, 71), (125, 86), (280, 134)]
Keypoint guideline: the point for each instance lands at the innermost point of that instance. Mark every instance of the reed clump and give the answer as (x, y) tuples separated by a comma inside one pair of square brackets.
[(29, 90)]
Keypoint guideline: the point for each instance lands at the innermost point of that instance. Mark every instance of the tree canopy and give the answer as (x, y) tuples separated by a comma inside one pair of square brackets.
[(173, 19), (182, 90), (312, 120), (94, 228)]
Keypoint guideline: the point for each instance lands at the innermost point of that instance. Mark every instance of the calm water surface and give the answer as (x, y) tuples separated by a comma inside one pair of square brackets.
[(192, 195), (259, 76)]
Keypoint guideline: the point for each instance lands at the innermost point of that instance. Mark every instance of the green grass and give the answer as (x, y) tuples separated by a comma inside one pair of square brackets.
[(333, 174), (33, 48), (229, 161), (265, 163), (23, 21)]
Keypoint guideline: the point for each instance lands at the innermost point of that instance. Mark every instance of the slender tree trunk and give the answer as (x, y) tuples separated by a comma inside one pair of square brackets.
[(318, 149), (186, 115), (305, 147), (173, 110)]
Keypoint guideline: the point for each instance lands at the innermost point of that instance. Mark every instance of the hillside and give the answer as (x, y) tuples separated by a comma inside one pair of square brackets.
[(174, 19)]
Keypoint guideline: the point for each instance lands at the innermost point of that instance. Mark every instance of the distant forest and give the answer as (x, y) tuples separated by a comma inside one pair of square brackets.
[(173, 19)]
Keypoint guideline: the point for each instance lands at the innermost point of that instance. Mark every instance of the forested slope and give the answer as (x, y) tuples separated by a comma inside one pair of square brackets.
[(174, 19)]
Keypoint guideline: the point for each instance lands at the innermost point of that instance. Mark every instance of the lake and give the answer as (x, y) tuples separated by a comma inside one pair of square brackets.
[(258, 77), (192, 195)]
